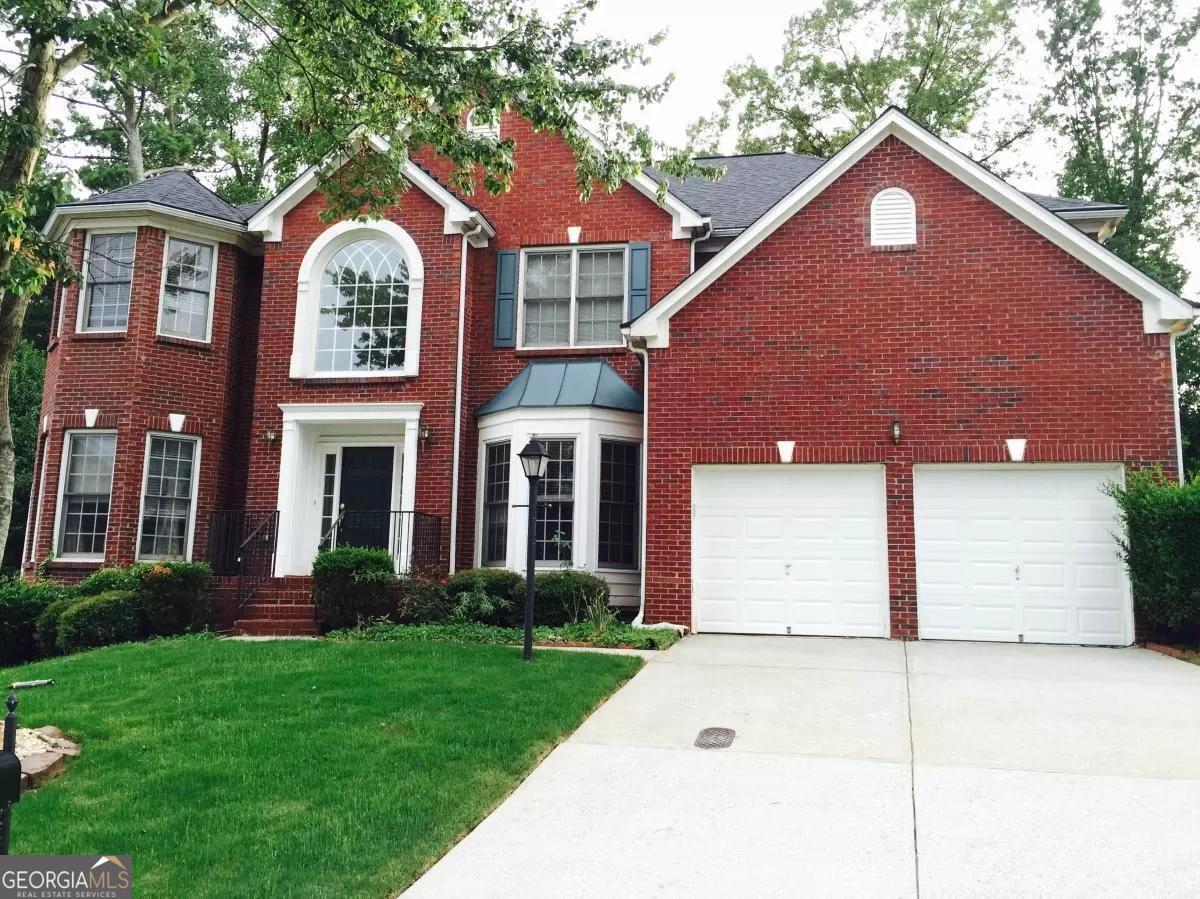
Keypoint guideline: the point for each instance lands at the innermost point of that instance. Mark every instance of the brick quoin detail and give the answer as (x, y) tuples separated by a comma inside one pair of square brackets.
[(985, 331)]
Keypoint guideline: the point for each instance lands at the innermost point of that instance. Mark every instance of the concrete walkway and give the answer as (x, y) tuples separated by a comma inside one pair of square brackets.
[(861, 768)]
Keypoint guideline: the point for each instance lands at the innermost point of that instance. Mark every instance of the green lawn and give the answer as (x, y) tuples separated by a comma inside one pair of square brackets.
[(292, 768)]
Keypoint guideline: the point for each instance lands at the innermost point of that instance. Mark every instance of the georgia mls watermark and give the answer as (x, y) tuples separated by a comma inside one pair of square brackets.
[(66, 877)]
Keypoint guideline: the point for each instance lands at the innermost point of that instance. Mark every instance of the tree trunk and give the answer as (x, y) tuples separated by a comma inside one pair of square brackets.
[(27, 129), (132, 126)]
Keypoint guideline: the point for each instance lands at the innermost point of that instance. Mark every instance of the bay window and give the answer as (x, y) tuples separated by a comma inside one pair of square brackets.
[(85, 493), (497, 464), (168, 497), (107, 282), (617, 531), (185, 309), (555, 531)]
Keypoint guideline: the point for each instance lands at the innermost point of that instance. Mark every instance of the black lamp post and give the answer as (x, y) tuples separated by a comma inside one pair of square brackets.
[(534, 460)]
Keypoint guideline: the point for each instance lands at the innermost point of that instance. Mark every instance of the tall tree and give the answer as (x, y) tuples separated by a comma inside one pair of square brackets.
[(1131, 120), (405, 70), (942, 61)]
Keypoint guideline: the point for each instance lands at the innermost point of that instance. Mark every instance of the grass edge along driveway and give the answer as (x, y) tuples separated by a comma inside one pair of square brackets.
[(293, 767)]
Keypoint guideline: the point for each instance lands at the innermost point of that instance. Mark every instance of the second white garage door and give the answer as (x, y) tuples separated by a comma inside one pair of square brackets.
[(789, 549), (1019, 552)]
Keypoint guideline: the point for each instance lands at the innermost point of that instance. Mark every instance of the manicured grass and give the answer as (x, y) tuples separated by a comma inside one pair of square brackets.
[(292, 768)]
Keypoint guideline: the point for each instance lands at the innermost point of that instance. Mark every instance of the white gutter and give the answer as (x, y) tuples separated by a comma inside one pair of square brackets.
[(1175, 402), (458, 391)]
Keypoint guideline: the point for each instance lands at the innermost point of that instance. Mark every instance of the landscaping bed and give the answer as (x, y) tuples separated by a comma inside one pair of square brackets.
[(316, 768), (613, 636)]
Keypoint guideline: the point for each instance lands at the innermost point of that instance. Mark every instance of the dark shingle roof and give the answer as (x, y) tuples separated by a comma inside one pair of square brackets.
[(174, 190), (570, 382), (756, 182)]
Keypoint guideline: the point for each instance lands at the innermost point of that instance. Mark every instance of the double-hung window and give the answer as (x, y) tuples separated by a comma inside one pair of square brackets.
[(573, 297), (497, 461), (87, 481), (107, 285), (168, 497), (187, 294), (618, 505), (555, 530)]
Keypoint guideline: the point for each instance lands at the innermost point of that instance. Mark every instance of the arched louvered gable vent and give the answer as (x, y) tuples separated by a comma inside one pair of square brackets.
[(893, 218)]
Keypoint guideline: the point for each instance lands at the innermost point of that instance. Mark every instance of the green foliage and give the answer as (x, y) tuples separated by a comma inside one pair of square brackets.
[(1162, 530), (353, 584), (25, 401), (102, 580), (488, 595), (944, 62), (422, 599), (1187, 364), (174, 596), (562, 597), (21, 605), (46, 628), (616, 635), (102, 620)]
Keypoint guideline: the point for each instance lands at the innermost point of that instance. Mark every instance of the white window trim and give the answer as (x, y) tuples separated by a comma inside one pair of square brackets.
[(82, 300), (491, 128), (587, 426), (191, 525), (574, 250), (483, 468), (212, 288), (68, 435), (308, 297)]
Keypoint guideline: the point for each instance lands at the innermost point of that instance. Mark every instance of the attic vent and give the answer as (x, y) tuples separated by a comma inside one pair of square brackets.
[(893, 218)]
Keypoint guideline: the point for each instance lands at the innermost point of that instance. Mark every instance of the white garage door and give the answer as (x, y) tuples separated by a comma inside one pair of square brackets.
[(1021, 552), (789, 549)]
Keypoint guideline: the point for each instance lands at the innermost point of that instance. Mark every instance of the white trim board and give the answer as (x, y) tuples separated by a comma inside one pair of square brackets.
[(1163, 311)]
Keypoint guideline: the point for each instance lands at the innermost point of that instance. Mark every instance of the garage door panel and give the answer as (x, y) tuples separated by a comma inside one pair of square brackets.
[(809, 549), (1037, 552)]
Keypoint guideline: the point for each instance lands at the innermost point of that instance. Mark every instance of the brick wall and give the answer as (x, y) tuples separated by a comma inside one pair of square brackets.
[(984, 331), (136, 379)]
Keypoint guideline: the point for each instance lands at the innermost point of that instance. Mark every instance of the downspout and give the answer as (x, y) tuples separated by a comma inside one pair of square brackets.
[(644, 354), (708, 230), (458, 395), (1175, 399)]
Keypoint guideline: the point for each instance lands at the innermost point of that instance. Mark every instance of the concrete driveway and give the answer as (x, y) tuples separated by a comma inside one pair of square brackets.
[(861, 767)]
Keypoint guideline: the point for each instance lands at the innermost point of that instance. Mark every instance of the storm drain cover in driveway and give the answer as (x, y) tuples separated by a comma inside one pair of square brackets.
[(715, 738)]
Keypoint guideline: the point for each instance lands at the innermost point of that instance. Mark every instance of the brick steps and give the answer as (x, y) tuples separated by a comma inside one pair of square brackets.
[(280, 607)]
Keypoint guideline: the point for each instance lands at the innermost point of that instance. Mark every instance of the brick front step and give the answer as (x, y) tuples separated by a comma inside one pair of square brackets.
[(274, 627), (256, 609)]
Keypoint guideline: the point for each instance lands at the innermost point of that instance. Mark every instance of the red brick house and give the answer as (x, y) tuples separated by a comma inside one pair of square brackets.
[(875, 395)]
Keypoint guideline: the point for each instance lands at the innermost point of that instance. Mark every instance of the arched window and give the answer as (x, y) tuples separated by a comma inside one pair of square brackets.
[(358, 308), (363, 316), (893, 218)]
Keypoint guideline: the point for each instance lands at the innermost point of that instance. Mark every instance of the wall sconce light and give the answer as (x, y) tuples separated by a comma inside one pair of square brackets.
[(90, 416), (176, 419), (269, 435), (573, 233), (1016, 448), (786, 449), (896, 433)]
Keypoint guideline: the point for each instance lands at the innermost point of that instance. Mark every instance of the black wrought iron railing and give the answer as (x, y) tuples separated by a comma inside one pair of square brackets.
[(242, 544), (413, 539)]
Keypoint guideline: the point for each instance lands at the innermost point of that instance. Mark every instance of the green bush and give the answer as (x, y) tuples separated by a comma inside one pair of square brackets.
[(352, 584), (1162, 532), (488, 595), (21, 605), (101, 620), (422, 599), (103, 580), (46, 630), (174, 596), (565, 596)]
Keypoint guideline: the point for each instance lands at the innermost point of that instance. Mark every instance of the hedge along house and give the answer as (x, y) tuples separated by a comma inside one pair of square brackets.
[(875, 395)]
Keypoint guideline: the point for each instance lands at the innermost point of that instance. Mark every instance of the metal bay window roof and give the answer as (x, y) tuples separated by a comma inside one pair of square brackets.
[(558, 383)]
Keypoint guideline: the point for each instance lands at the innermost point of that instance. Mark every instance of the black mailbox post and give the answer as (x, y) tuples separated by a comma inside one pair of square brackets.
[(10, 772)]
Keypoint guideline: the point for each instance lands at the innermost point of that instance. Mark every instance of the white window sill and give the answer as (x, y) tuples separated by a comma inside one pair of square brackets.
[(356, 375), (86, 559), (558, 348)]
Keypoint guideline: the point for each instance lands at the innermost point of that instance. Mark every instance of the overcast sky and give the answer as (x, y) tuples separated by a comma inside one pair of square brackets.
[(704, 38)]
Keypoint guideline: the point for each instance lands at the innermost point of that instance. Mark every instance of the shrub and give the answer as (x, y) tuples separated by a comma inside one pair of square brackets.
[(174, 596), (422, 599), (105, 579), (101, 620), (564, 596), (353, 584), (21, 605), (1162, 531), (46, 630), (488, 595)]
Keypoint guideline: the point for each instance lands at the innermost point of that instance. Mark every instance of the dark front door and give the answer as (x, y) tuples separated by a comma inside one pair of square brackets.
[(366, 496)]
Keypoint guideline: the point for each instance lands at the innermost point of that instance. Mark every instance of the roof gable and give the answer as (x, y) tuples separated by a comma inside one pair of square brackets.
[(1163, 311)]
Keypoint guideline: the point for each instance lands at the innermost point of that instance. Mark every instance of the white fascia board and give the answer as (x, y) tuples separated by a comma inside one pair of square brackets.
[(340, 413), (458, 219), (685, 221), (65, 218), (1163, 311)]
